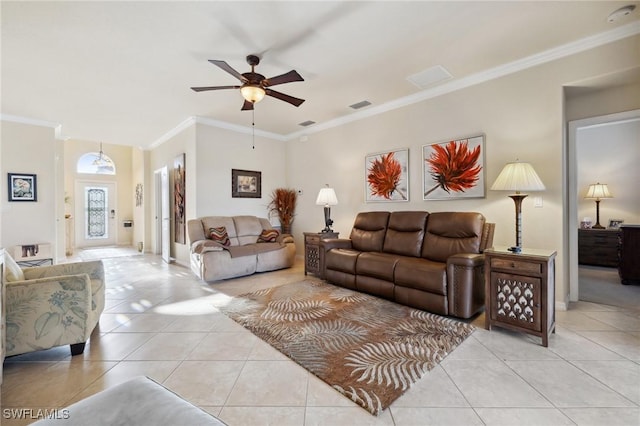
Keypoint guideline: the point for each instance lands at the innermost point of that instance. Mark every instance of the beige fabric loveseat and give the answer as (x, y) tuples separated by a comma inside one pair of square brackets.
[(250, 246)]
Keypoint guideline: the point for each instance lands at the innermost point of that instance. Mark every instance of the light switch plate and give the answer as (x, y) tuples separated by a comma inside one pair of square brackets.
[(537, 202)]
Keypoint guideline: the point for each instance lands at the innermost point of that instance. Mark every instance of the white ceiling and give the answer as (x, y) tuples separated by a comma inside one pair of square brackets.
[(120, 72)]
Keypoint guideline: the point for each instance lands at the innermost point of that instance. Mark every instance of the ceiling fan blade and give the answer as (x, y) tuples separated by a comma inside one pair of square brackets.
[(247, 106), (293, 101), (283, 78), (225, 66), (202, 89)]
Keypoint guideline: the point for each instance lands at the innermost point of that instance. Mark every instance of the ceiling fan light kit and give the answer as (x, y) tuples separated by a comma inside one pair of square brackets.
[(255, 86), (252, 93)]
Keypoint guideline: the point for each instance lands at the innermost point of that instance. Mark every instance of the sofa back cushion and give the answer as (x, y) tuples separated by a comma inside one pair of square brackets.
[(405, 233), (369, 230), (248, 229), (209, 222), (449, 233)]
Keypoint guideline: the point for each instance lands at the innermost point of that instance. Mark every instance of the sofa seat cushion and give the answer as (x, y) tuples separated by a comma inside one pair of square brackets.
[(343, 260), (377, 265), (422, 274)]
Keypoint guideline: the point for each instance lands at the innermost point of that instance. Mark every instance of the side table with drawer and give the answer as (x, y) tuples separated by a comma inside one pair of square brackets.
[(520, 291), (313, 256)]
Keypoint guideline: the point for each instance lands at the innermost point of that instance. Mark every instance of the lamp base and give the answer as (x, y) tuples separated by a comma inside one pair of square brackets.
[(327, 220), (515, 249), (597, 226)]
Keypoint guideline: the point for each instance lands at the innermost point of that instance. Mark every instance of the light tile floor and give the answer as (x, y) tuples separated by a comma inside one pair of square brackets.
[(158, 322)]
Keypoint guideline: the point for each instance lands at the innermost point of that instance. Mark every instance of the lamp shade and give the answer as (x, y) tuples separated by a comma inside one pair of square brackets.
[(598, 191), (327, 197), (518, 177), (252, 93)]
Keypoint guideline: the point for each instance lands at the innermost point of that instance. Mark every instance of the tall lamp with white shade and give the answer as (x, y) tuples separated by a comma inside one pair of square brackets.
[(598, 191), (327, 198), (518, 177)]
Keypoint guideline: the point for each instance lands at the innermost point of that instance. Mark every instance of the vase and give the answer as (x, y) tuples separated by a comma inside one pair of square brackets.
[(286, 229)]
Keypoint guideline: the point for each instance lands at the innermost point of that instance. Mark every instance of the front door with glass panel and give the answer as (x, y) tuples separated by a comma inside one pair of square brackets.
[(95, 214)]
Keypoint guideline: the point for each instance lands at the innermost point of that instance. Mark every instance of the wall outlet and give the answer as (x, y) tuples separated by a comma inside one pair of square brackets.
[(537, 202)]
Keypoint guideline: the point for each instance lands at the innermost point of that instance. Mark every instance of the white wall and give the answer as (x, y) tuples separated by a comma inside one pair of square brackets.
[(610, 154), (30, 149), (220, 151)]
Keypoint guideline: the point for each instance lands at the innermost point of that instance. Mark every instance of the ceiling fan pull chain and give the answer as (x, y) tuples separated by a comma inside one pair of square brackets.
[(253, 128)]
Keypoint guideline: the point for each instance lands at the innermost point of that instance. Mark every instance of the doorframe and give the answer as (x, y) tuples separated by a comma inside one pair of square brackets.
[(571, 199)]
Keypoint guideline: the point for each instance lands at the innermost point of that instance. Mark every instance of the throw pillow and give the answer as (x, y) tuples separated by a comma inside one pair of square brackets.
[(12, 271), (220, 235), (268, 236)]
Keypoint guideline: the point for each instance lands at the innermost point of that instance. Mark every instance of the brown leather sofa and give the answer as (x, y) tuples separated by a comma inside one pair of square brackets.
[(429, 261)]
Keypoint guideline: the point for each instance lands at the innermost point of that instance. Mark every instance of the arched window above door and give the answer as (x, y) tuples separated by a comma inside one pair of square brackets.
[(96, 163)]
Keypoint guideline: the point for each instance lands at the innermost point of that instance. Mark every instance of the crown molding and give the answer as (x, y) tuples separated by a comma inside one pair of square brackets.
[(171, 133), (549, 55), (57, 128)]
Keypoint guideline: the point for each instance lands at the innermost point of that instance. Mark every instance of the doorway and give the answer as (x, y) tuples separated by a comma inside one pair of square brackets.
[(96, 214), (579, 274)]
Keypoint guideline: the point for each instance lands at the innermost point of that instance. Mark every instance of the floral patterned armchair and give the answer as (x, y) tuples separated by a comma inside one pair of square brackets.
[(50, 306)]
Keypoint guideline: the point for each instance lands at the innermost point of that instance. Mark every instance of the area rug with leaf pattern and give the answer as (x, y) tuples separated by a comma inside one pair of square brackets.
[(369, 349)]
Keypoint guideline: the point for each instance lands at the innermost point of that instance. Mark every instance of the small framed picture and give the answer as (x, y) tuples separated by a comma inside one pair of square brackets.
[(246, 184), (22, 187), (615, 223)]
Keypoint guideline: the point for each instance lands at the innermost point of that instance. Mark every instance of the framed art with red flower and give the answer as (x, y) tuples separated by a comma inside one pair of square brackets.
[(387, 176), (454, 169)]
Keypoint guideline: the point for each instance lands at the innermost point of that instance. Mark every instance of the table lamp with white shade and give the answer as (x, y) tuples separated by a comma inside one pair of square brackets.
[(327, 198), (518, 177)]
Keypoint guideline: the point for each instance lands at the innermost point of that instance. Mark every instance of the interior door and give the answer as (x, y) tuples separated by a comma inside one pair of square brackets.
[(163, 211), (96, 214)]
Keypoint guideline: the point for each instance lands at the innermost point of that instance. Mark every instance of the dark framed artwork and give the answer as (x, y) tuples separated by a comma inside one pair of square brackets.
[(179, 199), (22, 187), (246, 184), (387, 176), (454, 169)]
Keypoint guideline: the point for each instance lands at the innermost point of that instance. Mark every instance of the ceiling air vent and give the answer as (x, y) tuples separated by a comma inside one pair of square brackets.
[(360, 104), (306, 123), (430, 76)]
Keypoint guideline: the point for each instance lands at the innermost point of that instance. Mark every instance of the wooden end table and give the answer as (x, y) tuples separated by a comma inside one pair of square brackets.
[(520, 291), (313, 256)]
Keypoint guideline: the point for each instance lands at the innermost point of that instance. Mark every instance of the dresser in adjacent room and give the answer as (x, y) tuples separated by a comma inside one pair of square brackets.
[(598, 247)]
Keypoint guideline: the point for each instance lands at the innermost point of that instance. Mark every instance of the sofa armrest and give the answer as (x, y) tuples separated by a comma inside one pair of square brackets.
[(465, 284), (203, 246), (47, 312), (331, 243)]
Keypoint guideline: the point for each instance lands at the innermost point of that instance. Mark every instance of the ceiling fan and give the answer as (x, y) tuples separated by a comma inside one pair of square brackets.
[(255, 86)]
